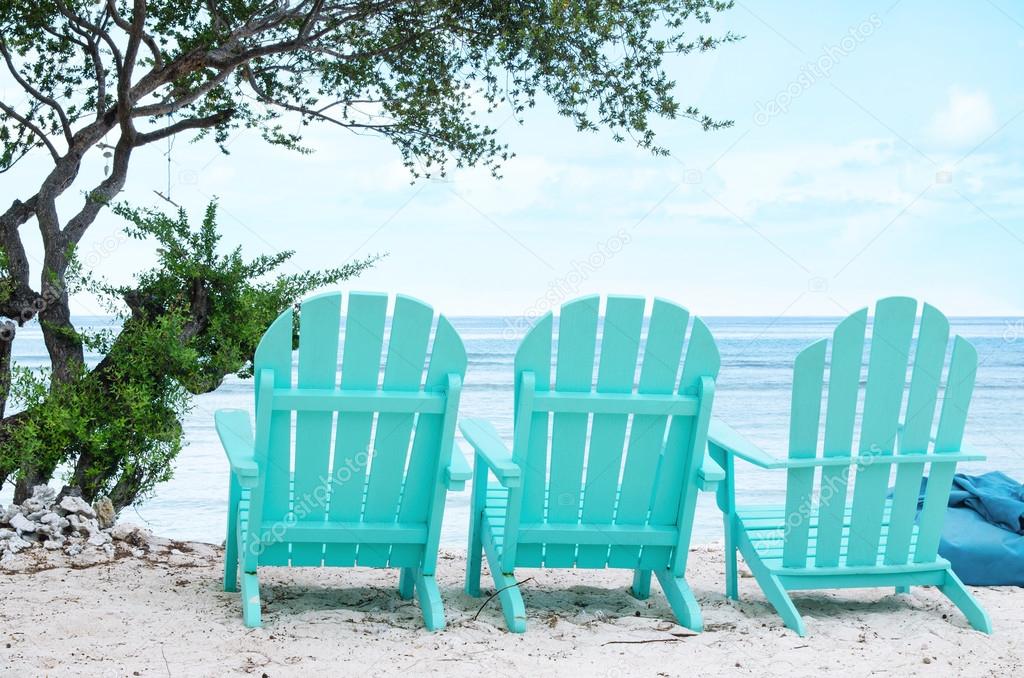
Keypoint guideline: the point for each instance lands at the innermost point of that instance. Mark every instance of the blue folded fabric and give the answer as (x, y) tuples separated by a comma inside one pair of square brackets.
[(997, 497), (983, 535)]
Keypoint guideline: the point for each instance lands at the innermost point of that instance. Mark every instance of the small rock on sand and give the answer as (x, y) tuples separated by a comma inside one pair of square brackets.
[(105, 514), (22, 524), (76, 505)]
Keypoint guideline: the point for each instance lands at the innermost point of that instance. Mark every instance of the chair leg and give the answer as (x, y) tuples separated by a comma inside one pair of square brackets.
[(641, 588), (511, 599), (251, 600), (772, 586), (430, 600), (681, 599), (474, 558), (902, 589), (962, 598), (732, 590), (777, 595), (509, 595), (406, 583), (231, 540), (231, 562)]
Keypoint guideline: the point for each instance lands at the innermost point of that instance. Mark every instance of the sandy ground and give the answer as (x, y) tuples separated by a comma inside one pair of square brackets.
[(167, 615)]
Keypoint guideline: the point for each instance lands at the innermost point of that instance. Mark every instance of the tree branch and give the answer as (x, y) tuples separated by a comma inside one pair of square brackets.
[(211, 120), (18, 213), (42, 98), (122, 23), (97, 30), (33, 127), (14, 161), (90, 45), (98, 197), (18, 306), (125, 98), (170, 105)]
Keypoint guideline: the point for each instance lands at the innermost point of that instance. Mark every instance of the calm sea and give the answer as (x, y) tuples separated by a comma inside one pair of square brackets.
[(752, 395)]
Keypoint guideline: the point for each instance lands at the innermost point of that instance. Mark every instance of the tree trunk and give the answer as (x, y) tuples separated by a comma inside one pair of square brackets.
[(7, 332), (62, 342), (65, 351)]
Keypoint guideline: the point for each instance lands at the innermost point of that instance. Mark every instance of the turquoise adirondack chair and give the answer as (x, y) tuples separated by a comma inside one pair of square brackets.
[(626, 500), (373, 500), (832, 538)]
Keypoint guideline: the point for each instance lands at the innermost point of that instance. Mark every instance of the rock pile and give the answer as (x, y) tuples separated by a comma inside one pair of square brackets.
[(70, 525)]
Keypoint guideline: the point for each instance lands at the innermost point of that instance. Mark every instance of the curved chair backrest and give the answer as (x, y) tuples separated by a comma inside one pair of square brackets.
[(392, 435), (625, 499), (869, 526)]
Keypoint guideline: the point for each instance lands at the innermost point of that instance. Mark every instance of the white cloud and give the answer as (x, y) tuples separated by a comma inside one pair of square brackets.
[(526, 181), (965, 118)]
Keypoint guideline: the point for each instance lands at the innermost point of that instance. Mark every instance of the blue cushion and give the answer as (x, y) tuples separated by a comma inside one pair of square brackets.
[(982, 554), (981, 536)]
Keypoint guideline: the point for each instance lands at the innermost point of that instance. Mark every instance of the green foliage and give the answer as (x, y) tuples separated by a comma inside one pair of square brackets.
[(126, 421), (235, 297), (419, 72), (192, 319)]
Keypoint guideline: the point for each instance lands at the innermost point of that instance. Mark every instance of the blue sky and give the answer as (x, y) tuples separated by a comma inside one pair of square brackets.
[(876, 151)]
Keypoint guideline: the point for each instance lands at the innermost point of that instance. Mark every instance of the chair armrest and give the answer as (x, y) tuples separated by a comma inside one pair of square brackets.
[(724, 437), (965, 453), (970, 453), (485, 440), (235, 433), (709, 475), (458, 471)]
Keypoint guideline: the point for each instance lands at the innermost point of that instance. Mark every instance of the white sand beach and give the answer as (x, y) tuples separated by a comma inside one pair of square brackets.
[(162, 612)]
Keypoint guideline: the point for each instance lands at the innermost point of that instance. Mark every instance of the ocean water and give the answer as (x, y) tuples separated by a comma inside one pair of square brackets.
[(752, 394)]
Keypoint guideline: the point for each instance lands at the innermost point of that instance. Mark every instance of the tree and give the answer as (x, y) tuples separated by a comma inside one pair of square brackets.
[(417, 72), (186, 323)]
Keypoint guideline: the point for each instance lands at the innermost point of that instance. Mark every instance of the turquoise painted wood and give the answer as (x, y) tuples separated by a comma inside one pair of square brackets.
[(620, 343), (603, 470), (843, 389), (532, 368), (577, 334), (824, 536), (808, 377), (373, 456), (403, 371), (360, 370), (664, 348), (318, 359)]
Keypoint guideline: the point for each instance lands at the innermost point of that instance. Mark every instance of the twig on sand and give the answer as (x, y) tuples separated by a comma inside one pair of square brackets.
[(642, 642), (495, 595)]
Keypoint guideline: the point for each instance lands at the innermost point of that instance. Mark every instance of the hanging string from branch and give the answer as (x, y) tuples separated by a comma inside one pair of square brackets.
[(170, 147)]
